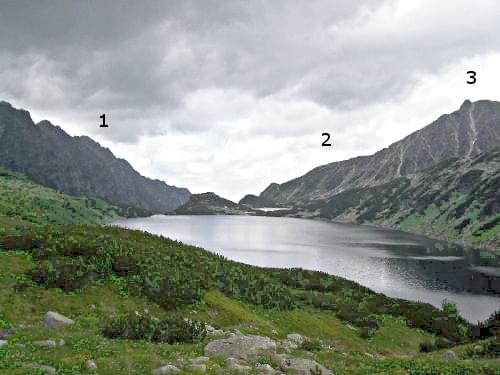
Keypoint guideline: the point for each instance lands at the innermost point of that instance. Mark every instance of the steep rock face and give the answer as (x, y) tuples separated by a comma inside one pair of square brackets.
[(473, 129), (78, 165)]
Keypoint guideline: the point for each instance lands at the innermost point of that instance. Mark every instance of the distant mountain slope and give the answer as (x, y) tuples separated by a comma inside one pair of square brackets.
[(474, 128), (210, 204), (254, 201), (455, 200), (78, 165)]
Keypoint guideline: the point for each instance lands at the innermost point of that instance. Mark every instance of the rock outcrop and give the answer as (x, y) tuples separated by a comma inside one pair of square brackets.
[(167, 369), (242, 347), (302, 366)]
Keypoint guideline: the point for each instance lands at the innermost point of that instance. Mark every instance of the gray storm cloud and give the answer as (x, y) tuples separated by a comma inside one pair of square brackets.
[(225, 74)]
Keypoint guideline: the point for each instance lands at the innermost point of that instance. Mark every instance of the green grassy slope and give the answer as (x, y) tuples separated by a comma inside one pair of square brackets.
[(393, 348), (23, 201), (91, 272)]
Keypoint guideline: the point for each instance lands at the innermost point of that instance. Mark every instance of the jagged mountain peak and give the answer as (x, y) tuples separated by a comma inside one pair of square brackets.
[(468, 131), (466, 104), (78, 165)]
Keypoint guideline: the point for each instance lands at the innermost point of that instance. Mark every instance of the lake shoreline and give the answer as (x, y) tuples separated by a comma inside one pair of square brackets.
[(275, 213), (388, 261)]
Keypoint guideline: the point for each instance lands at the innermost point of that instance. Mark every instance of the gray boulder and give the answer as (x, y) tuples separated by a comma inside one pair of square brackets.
[(242, 347), (90, 365), (50, 343), (198, 367), (296, 338), (264, 369), (288, 345), (302, 366), (449, 355), (45, 343), (4, 334), (235, 366), (199, 360), (47, 369), (168, 369), (54, 320), (211, 331), (3, 342)]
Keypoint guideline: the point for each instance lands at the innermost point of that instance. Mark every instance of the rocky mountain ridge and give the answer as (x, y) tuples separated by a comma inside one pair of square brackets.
[(78, 166), (472, 129), (210, 204)]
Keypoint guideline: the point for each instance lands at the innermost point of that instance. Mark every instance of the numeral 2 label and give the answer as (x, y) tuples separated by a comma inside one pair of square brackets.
[(325, 142)]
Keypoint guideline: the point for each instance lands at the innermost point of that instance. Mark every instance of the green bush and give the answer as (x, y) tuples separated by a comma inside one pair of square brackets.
[(168, 272), (175, 275), (311, 345), (268, 360), (426, 346), (144, 326), (367, 332), (491, 349), (439, 343), (490, 327), (450, 309), (442, 343)]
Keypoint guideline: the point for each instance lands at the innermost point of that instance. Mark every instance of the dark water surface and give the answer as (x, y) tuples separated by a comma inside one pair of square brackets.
[(394, 263)]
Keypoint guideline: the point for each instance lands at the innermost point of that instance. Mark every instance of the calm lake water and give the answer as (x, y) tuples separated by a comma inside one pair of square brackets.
[(394, 263)]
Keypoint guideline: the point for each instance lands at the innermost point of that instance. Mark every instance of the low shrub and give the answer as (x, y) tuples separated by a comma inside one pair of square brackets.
[(439, 343), (268, 360), (68, 274), (491, 349), (367, 332), (144, 326), (426, 347), (175, 275), (442, 343), (311, 345), (487, 349), (490, 327)]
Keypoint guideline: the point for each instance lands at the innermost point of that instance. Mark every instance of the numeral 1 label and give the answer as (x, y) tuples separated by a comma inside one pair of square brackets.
[(103, 125)]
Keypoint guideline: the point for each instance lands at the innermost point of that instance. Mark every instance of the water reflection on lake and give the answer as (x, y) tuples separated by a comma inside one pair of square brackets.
[(395, 263)]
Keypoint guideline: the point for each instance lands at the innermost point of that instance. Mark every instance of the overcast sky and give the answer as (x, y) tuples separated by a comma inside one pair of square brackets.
[(229, 96)]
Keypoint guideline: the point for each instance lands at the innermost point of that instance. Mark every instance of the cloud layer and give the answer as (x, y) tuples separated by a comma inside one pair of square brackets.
[(229, 96)]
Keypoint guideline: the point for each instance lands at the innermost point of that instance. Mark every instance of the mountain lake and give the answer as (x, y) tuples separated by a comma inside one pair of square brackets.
[(395, 263)]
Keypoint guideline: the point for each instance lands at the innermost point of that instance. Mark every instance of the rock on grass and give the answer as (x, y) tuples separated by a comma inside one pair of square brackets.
[(242, 347), (302, 366), (54, 320), (168, 369), (43, 368)]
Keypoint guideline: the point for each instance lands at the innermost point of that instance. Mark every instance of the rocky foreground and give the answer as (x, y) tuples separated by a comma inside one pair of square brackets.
[(226, 352)]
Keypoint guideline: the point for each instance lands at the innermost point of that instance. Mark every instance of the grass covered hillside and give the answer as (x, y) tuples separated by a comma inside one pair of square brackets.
[(456, 200), (140, 302), (22, 201)]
